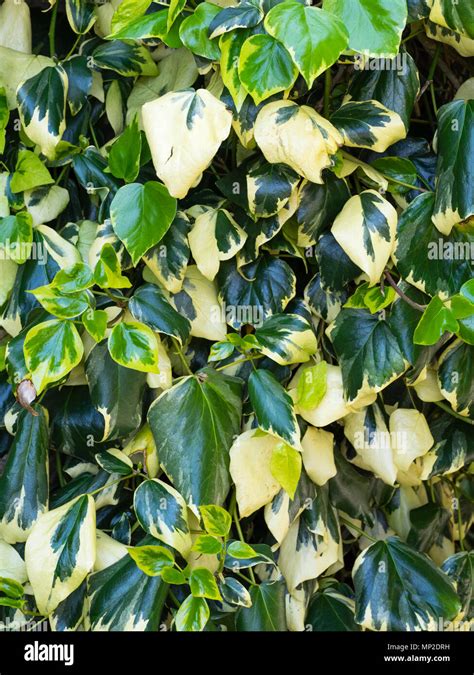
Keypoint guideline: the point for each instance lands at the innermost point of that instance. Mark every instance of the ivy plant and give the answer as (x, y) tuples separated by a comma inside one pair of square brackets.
[(236, 314)]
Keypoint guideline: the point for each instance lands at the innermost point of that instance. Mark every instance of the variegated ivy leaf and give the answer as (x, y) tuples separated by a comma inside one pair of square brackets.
[(369, 353), (62, 305), (231, 45), (169, 259), (123, 598), (312, 543), (313, 37), (269, 187), (235, 593), (433, 262), (375, 27), (273, 407), (52, 349), (42, 107), (74, 278), (150, 306), (297, 136), (152, 560), (81, 15), (199, 303), (194, 31), (246, 14), (318, 455), (250, 457), (454, 200), (198, 418), (265, 67), (124, 58), (16, 237), (456, 377), (366, 229), (24, 482), (215, 236), (318, 205), (16, 67), (286, 338), (459, 16), (460, 569), (115, 461), (12, 565), (255, 291), (393, 84), (46, 203), (193, 615), (162, 512), (325, 305), (133, 345), (141, 214), (399, 589), (184, 130), (95, 322), (368, 124), (116, 393), (462, 44), (60, 551), (107, 271)]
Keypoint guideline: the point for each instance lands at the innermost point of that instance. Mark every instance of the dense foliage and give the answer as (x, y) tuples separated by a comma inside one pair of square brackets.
[(237, 314)]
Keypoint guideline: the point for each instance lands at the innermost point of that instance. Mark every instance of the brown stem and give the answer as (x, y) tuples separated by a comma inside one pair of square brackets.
[(393, 284)]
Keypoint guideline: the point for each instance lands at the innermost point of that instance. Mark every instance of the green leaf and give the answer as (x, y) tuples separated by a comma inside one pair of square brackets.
[(141, 215), (312, 385), (95, 322), (267, 612), (52, 349), (11, 588), (193, 615), (194, 31), (197, 418), (124, 155), (150, 306), (399, 589), (374, 26), (285, 466), (173, 576), (151, 559), (127, 11), (313, 37), (24, 481), (29, 172), (217, 521), (154, 25), (397, 169), (16, 237), (265, 67), (436, 319), (162, 512), (134, 345), (273, 407), (332, 609), (203, 584), (454, 200), (60, 551)]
